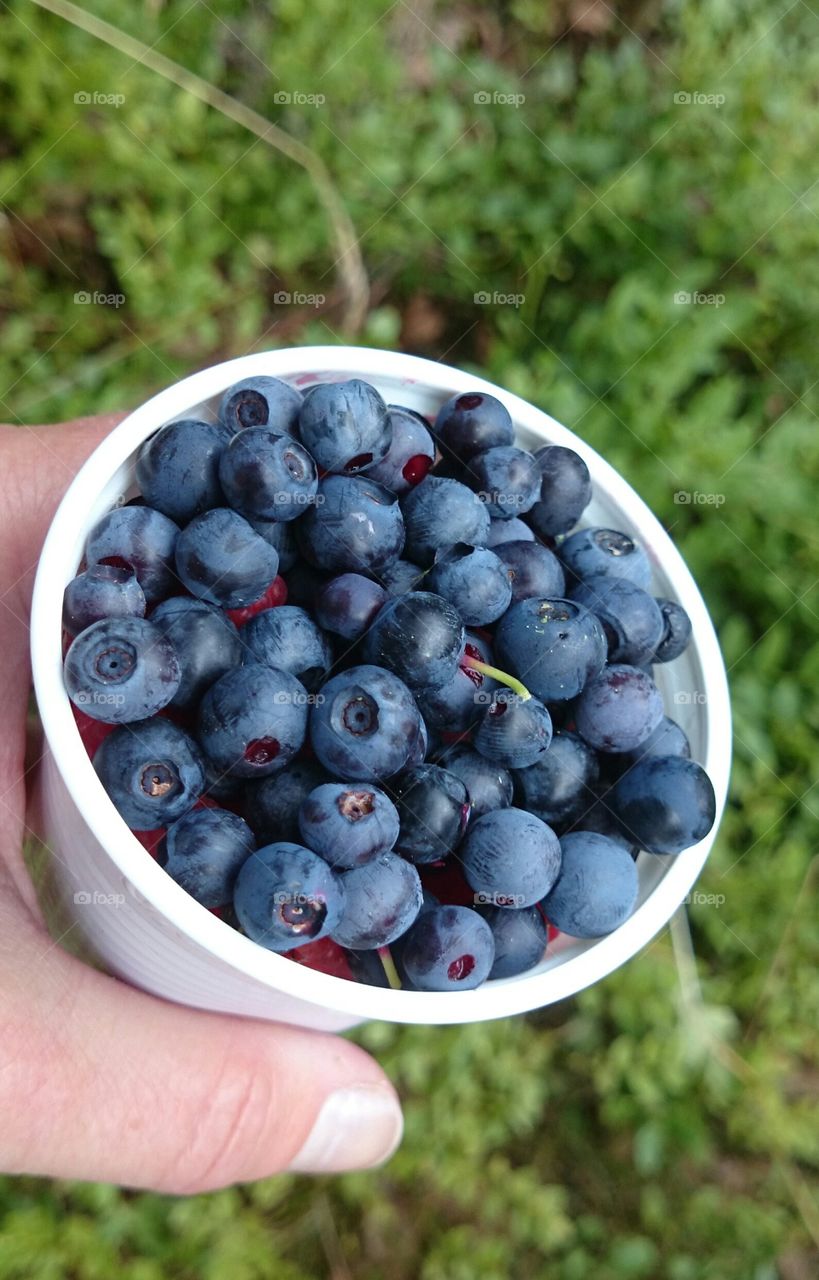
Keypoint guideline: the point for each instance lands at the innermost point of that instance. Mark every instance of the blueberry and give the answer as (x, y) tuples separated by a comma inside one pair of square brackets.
[(382, 899), (410, 455), (459, 704), (348, 604), (439, 513), (559, 786), (630, 616), (348, 824), (592, 551), (356, 526), (488, 784), (121, 669), (206, 642), (596, 889), (177, 469), (266, 475), (400, 576), (419, 636), (271, 805), (619, 709), (152, 771), (141, 539), (472, 579), (676, 631), (668, 739), (286, 896), (520, 939), (204, 851), (665, 803), (553, 646), (288, 639), (253, 720), (514, 731), (345, 426), (420, 747), (510, 858), (513, 530), (469, 423), (565, 491), (304, 583), (506, 479), (533, 570), (433, 810), (221, 559), (366, 726), (101, 591), (448, 949), (282, 536), (261, 402)]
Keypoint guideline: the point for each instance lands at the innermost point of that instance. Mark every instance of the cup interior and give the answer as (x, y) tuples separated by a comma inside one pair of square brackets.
[(694, 687)]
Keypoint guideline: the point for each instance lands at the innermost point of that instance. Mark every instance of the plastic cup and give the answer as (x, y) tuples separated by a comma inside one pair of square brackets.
[(144, 927)]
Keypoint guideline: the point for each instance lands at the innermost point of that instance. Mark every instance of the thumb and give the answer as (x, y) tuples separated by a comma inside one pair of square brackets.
[(104, 1082)]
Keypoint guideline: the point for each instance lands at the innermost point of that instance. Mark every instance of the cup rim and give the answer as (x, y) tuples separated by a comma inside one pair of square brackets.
[(499, 998)]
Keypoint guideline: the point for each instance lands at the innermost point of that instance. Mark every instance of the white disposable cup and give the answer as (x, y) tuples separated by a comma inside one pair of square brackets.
[(144, 927)]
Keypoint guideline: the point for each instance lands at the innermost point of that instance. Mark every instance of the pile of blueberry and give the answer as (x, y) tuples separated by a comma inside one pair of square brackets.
[(374, 701)]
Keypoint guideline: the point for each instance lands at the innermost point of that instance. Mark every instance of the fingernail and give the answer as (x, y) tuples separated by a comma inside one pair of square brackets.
[(356, 1128)]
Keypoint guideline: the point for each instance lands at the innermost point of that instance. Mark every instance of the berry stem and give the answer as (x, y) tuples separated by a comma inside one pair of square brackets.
[(390, 970), (501, 676)]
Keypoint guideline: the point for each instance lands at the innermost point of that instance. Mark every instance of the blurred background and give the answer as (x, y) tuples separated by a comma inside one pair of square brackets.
[(612, 210)]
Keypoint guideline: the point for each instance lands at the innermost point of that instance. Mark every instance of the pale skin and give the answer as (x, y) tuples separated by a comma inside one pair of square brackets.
[(98, 1080)]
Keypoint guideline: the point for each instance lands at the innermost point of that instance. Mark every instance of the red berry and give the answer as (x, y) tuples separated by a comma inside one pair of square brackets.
[(325, 955)]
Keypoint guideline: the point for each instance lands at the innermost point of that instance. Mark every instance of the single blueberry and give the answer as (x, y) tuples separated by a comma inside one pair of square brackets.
[(141, 539), (520, 939), (533, 570), (288, 639), (410, 455), (470, 422), (152, 771), (618, 709), (630, 616), (554, 646), (348, 824), (206, 642), (448, 949), (488, 784), (419, 636), (286, 896), (676, 631), (121, 669), (177, 469), (506, 479), (592, 551), (355, 526), (596, 889), (510, 858), (271, 805), (267, 475), (439, 513), (221, 559), (366, 726), (665, 803), (101, 591), (261, 402), (348, 604), (345, 426), (560, 785), (433, 809), (513, 731), (204, 851), (381, 900), (565, 491), (473, 580), (253, 720)]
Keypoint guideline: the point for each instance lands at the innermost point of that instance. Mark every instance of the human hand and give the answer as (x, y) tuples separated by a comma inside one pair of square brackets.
[(101, 1081)]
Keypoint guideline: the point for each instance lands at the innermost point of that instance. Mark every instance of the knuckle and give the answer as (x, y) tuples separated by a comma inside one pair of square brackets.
[(228, 1129)]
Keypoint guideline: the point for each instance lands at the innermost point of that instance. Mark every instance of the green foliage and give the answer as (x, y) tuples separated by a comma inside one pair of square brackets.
[(636, 1132)]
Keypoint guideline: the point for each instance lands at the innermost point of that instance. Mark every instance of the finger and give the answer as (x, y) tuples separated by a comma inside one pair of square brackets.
[(107, 1083)]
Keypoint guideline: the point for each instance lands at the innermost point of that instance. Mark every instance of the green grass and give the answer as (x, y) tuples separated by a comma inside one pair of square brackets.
[(635, 1132)]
